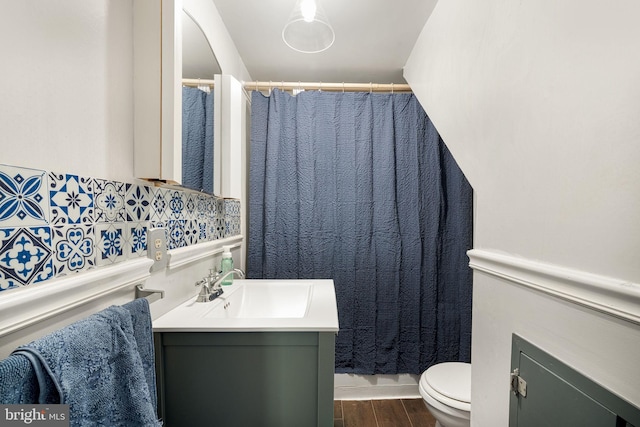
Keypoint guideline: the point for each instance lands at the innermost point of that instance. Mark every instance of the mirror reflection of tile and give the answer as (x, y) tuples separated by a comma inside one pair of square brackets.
[(55, 224)]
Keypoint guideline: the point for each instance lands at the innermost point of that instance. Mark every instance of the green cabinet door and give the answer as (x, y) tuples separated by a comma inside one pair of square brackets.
[(546, 392), (245, 379), (552, 401)]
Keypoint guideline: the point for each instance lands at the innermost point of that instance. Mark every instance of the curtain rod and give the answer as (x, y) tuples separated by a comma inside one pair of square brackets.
[(197, 82), (329, 87)]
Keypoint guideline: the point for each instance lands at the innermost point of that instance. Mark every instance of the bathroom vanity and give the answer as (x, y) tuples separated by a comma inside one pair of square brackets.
[(262, 354)]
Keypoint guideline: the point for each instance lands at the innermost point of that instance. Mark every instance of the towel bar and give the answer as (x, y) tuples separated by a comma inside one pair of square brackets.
[(150, 294)]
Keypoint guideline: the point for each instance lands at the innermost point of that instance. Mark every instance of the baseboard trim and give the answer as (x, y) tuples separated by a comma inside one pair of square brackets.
[(374, 387), (604, 294)]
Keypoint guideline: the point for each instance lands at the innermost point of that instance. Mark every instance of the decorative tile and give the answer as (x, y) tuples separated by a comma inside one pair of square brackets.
[(203, 230), (191, 232), (137, 202), (208, 213), (73, 249), (220, 233), (71, 199), (136, 245), (23, 197), (219, 207), (177, 204), (217, 217), (6, 284), (232, 217), (109, 201), (25, 256), (159, 204), (175, 228), (212, 230), (54, 224), (110, 243), (203, 206), (190, 206)]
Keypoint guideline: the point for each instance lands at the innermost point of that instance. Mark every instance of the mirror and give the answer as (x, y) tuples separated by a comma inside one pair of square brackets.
[(199, 67), (198, 59)]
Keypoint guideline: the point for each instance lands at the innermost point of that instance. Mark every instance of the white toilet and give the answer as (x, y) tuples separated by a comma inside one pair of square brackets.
[(446, 389)]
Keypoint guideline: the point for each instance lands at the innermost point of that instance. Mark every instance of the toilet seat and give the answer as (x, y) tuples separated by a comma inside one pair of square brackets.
[(449, 383)]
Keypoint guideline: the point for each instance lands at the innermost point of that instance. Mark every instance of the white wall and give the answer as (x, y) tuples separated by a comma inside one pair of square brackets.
[(66, 84), (538, 102)]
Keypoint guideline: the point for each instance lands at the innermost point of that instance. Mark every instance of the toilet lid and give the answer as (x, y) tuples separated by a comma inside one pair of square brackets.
[(451, 379)]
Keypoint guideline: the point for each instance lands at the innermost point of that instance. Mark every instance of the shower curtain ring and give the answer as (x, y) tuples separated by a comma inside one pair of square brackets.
[(391, 88), (370, 87), (342, 87), (270, 86)]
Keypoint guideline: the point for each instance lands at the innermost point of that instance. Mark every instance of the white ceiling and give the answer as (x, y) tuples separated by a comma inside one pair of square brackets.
[(373, 39)]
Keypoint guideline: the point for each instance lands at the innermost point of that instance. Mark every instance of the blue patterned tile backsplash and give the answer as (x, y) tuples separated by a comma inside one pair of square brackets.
[(55, 224)]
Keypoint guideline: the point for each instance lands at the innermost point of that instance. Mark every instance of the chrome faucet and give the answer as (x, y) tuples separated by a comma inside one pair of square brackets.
[(212, 284), (219, 279), (205, 290)]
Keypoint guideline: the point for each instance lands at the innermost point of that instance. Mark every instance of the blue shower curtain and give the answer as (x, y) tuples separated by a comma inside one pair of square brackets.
[(197, 139), (360, 188)]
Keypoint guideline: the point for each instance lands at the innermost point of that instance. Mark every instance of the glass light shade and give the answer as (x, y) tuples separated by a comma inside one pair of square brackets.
[(308, 30)]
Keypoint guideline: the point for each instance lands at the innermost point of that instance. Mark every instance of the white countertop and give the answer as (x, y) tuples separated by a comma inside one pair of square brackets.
[(321, 315)]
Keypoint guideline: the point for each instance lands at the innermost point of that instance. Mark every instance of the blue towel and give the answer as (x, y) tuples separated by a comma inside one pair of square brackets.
[(96, 367), (143, 333), (18, 381)]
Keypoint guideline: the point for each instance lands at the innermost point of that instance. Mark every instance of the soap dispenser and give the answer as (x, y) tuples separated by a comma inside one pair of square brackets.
[(226, 265)]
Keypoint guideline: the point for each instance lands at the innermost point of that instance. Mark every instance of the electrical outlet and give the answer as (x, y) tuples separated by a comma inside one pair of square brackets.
[(157, 251)]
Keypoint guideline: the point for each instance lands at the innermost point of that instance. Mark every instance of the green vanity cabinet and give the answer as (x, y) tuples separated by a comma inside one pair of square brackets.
[(245, 379)]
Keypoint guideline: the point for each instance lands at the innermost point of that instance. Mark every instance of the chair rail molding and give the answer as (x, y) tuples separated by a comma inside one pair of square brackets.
[(32, 304), (186, 255), (605, 294)]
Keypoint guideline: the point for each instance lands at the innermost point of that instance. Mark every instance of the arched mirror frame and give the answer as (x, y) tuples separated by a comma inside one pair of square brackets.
[(158, 93), (200, 66)]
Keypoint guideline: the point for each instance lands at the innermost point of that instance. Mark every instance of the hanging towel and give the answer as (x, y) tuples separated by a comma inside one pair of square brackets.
[(96, 367), (18, 381), (143, 333)]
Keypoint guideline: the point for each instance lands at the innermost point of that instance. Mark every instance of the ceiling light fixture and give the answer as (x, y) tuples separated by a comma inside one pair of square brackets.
[(308, 30)]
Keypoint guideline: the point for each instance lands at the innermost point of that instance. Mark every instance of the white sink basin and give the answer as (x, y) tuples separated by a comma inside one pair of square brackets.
[(258, 305), (267, 301)]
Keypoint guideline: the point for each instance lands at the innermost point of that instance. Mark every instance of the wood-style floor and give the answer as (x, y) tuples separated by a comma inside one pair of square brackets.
[(382, 413)]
